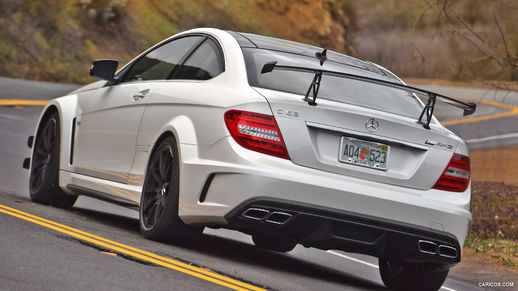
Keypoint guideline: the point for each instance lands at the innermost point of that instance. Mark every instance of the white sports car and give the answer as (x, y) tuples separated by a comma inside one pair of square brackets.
[(287, 142)]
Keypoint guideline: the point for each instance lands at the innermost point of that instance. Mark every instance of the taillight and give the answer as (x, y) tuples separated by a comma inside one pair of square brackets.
[(456, 176), (257, 132)]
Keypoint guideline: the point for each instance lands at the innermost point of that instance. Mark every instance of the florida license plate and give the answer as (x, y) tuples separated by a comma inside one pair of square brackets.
[(364, 153)]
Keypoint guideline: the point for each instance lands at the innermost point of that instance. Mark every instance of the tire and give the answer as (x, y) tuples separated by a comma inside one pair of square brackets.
[(158, 213), (44, 172), (274, 243), (398, 276)]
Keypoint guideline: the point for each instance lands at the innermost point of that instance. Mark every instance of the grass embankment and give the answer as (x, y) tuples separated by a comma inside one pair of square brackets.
[(56, 40), (494, 204)]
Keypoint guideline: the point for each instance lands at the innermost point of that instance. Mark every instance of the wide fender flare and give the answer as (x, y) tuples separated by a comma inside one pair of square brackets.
[(67, 109), (182, 128), (184, 132)]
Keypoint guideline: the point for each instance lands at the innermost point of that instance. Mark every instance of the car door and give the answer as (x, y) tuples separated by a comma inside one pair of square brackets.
[(186, 96), (108, 126)]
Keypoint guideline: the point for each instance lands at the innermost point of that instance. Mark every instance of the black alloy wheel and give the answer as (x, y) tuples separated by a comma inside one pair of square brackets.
[(159, 201), (408, 277), (157, 187), (44, 174), (43, 155)]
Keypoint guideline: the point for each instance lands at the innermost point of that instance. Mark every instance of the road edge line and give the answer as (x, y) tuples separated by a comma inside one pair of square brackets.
[(144, 255)]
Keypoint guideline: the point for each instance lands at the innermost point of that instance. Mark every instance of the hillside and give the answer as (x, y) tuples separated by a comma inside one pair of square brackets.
[(56, 40), (446, 39)]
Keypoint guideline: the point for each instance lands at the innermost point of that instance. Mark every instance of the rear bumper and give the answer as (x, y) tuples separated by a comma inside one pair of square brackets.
[(218, 180), (326, 228)]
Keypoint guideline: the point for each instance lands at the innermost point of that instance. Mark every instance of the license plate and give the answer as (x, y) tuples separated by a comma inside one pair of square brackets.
[(363, 153)]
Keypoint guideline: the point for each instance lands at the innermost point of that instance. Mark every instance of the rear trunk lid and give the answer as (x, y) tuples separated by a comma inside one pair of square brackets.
[(316, 137)]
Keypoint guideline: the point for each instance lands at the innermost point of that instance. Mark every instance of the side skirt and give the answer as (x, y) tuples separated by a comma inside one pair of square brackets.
[(114, 192)]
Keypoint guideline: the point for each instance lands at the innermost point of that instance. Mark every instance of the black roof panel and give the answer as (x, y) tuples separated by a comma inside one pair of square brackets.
[(242, 40), (277, 44)]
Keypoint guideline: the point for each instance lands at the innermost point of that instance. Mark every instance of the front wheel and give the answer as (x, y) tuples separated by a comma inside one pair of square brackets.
[(44, 173), (398, 276), (158, 214)]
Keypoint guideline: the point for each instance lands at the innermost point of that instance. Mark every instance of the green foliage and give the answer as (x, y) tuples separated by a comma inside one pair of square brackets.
[(504, 251)]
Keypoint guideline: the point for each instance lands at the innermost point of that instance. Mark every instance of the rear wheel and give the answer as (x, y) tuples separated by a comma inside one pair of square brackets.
[(44, 175), (274, 243), (398, 276), (159, 202)]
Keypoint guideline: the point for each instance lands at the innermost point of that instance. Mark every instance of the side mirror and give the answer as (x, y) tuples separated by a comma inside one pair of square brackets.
[(104, 69)]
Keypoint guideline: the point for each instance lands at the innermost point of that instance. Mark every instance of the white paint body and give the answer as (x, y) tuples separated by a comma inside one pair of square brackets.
[(115, 135)]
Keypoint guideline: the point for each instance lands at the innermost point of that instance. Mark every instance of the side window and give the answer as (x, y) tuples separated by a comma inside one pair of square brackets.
[(205, 63), (159, 63)]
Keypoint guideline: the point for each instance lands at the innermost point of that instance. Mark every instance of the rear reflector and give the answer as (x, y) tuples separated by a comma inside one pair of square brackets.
[(455, 177), (257, 132)]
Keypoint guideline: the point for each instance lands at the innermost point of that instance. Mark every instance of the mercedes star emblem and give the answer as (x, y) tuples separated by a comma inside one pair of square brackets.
[(372, 125)]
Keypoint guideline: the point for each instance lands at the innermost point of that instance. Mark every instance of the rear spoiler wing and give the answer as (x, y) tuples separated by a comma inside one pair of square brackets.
[(424, 118)]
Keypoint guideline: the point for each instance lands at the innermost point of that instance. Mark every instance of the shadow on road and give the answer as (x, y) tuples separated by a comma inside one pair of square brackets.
[(239, 252), (120, 222), (228, 249)]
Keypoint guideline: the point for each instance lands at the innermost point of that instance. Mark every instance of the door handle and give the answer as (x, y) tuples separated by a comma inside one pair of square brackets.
[(140, 95)]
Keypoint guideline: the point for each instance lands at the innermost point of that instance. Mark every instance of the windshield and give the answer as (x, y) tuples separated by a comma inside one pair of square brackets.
[(333, 88)]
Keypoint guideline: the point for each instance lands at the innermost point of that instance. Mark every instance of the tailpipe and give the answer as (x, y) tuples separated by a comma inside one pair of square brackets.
[(447, 251), (273, 217), (427, 247), (256, 213), (431, 248), (278, 217)]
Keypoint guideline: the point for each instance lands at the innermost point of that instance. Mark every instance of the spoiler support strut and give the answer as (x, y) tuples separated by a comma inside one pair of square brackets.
[(426, 114)]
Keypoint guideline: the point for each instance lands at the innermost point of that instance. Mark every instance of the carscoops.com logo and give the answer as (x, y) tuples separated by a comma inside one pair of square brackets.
[(495, 284)]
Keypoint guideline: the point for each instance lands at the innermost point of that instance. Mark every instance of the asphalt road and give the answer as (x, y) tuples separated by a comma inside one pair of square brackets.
[(33, 256)]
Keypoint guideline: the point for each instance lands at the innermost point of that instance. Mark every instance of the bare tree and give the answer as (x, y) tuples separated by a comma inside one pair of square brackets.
[(498, 52)]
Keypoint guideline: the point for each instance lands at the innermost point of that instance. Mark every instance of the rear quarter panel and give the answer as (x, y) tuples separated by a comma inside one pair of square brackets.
[(194, 113)]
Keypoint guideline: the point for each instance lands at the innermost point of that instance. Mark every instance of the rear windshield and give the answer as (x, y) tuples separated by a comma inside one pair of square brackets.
[(333, 88)]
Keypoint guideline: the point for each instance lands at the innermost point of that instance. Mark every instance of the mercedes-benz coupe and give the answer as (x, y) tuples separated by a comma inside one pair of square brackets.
[(290, 143)]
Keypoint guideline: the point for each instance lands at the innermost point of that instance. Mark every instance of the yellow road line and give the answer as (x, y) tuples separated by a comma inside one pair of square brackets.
[(23, 102), (513, 111), (134, 252)]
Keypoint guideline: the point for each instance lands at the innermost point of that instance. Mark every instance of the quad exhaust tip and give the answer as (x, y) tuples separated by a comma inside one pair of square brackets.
[(256, 213), (274, 217), (431, 248), (427, 247), (447, 251), (279, 217)]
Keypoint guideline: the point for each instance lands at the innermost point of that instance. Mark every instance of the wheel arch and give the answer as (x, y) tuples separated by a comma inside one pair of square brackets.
[(181, 128), (182, 131), (66, 108), (49, 191), (162, 136), (46, 112)]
